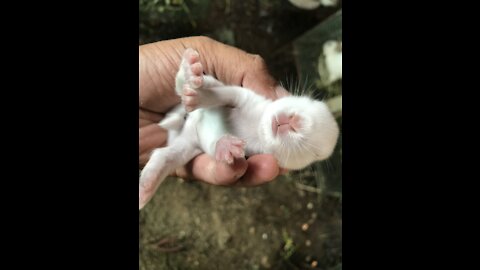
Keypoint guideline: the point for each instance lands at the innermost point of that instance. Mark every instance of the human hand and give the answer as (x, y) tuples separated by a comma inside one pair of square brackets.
[(159, 64)]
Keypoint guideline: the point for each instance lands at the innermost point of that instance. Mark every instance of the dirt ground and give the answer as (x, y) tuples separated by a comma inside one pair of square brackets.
[(294, 222), (275, 226)]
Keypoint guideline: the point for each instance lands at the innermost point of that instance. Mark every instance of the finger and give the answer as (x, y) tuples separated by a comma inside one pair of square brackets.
[(281, 92), (147, 117), (207, 169), (283, 171), (150, 137), (259, 79), (262, 169)]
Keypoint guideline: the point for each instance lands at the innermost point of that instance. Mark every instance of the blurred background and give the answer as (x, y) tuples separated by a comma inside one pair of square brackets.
[(294, 222)]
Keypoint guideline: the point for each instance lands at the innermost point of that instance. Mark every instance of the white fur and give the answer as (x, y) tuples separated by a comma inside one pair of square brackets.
[(246, 115), (333, 60), (328, 3), (313, 4)]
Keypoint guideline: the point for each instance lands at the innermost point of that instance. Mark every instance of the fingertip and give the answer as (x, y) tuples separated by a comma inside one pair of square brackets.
[(262, 83), (283, 171), (227, 174), (201, 167), (207, 169), (280, 91), (262, 169), (267, 88)]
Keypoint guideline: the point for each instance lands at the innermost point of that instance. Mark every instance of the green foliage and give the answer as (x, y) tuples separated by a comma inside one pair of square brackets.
[(289, 247)]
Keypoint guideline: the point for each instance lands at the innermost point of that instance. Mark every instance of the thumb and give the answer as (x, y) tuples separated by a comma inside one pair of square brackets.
[(258, 79)]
